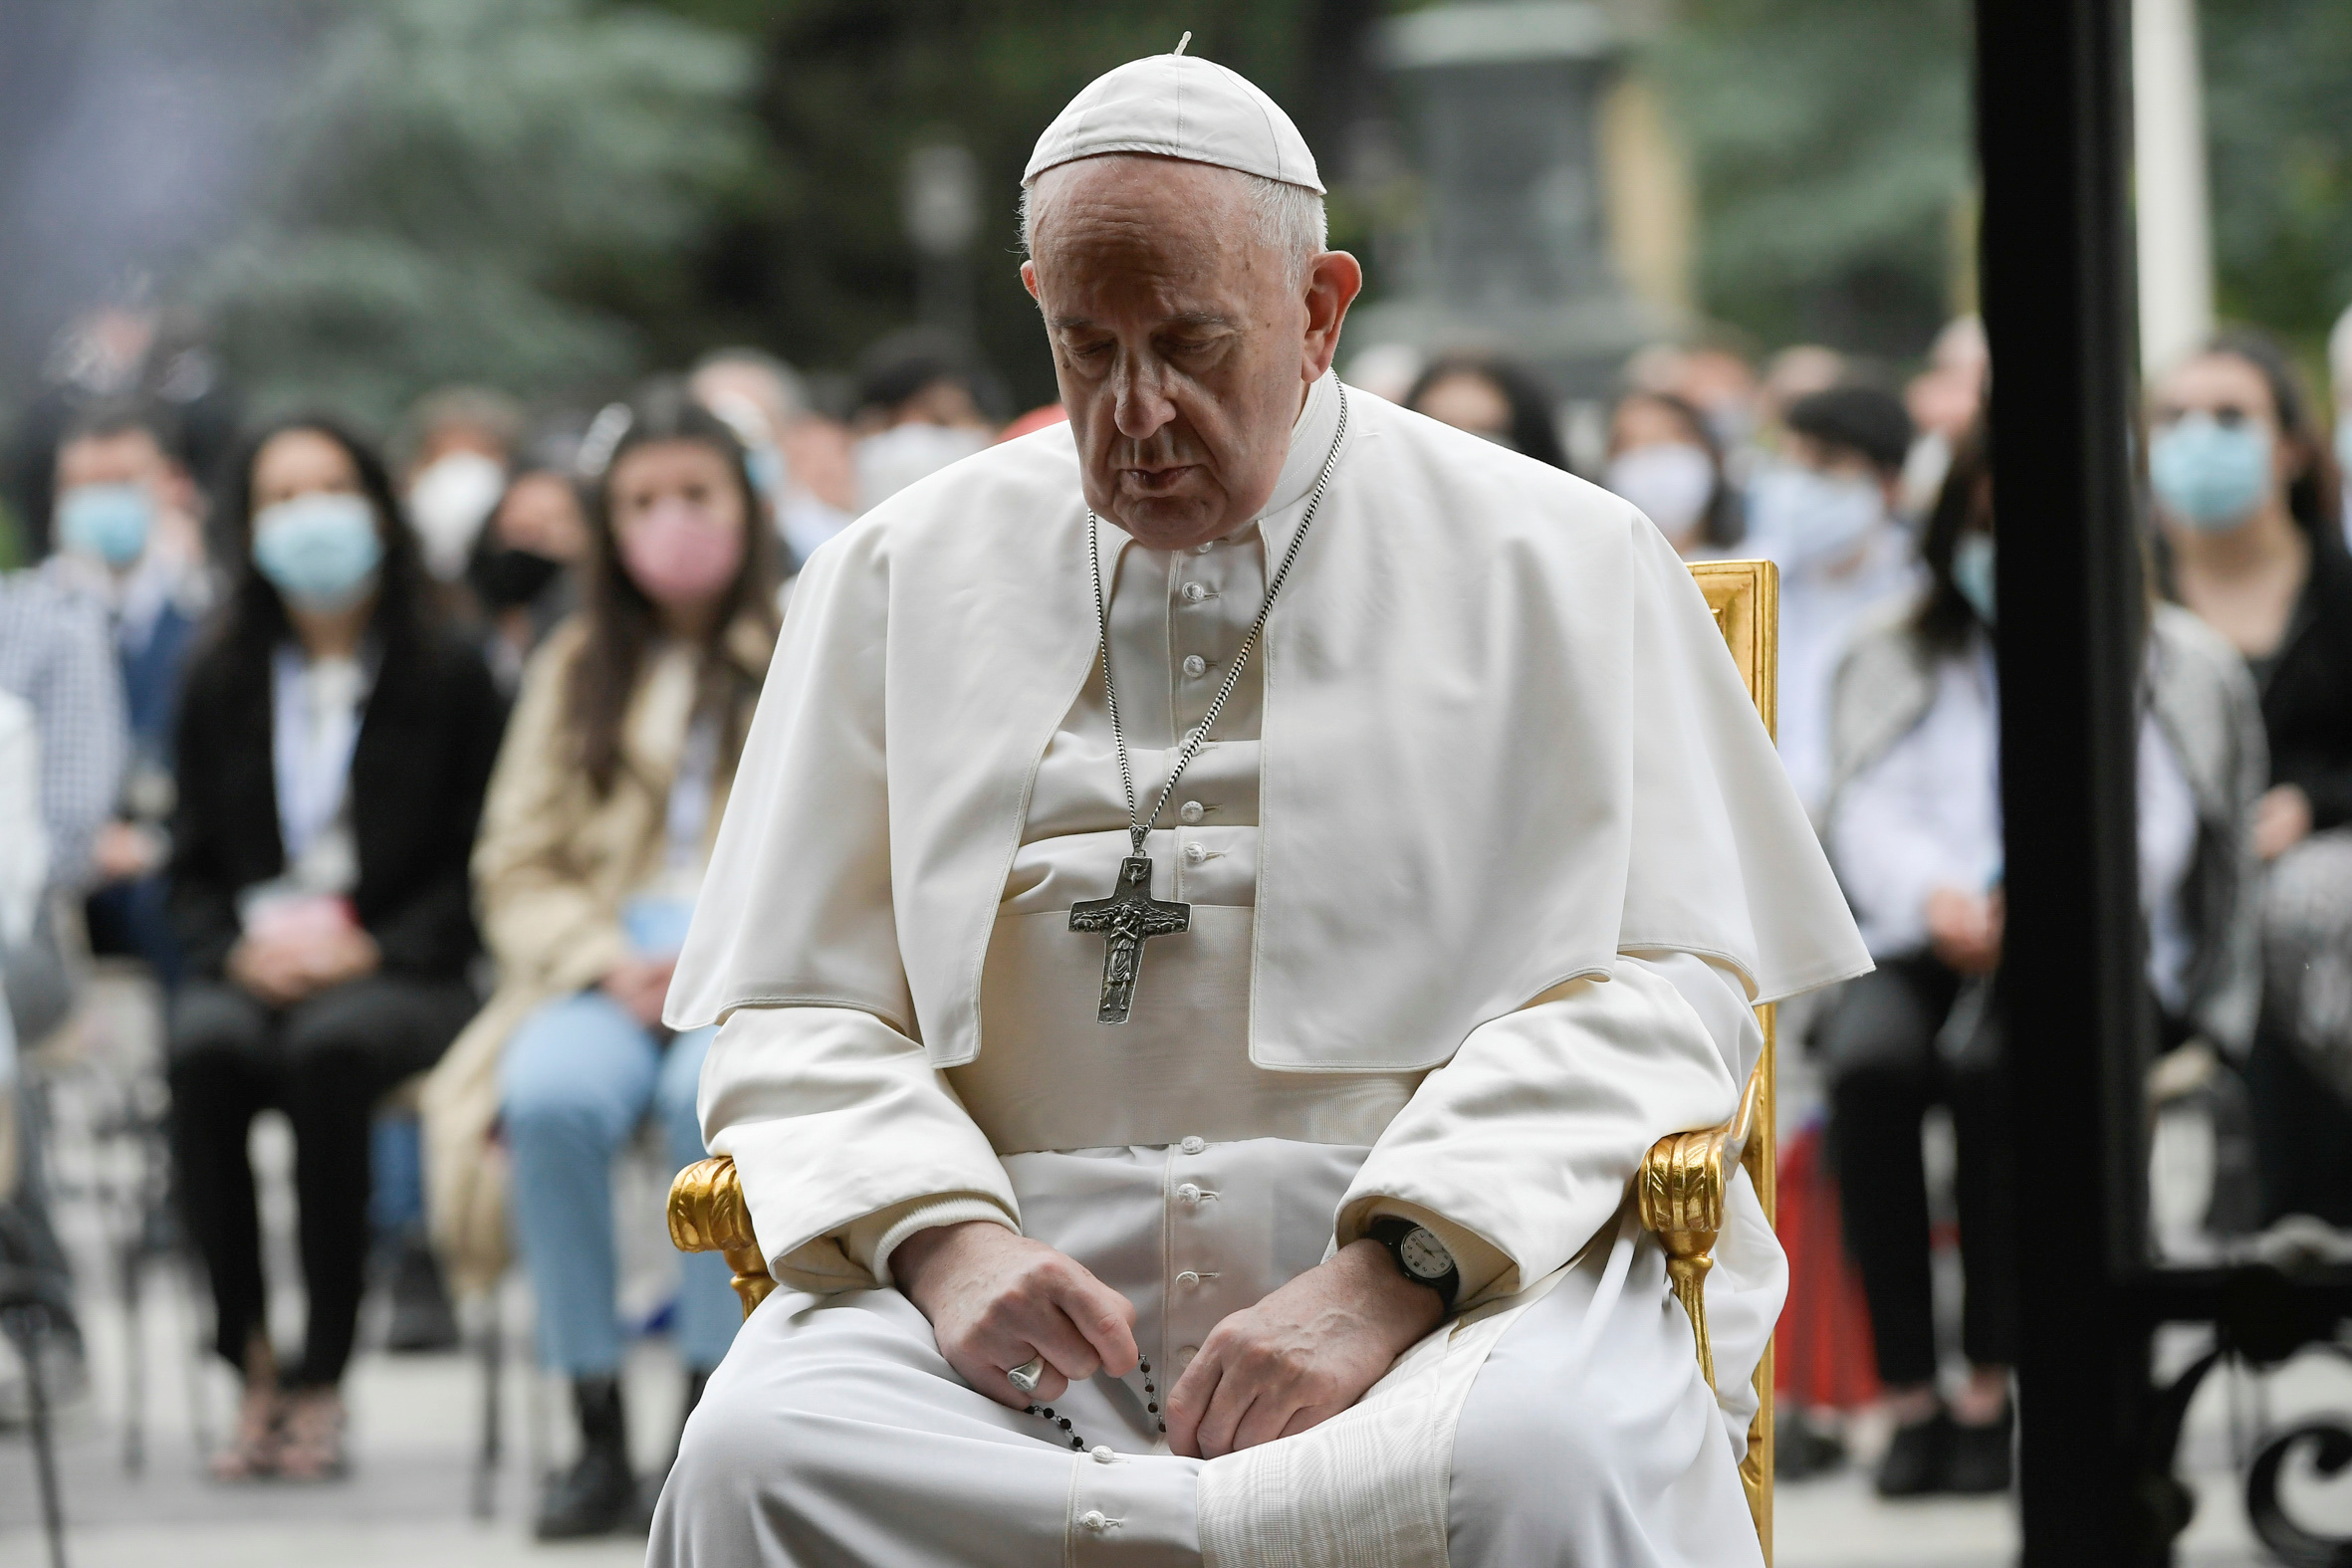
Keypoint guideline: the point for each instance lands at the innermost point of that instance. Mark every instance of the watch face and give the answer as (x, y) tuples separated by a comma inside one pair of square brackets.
[(1424, 1254)]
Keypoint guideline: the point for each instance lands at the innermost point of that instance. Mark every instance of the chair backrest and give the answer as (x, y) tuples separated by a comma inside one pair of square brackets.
[(1745, 598)]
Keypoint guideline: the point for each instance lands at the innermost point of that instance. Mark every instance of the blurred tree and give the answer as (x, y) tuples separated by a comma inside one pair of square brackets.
[(487, 190), (812, 260), (2277, 74), (1832, 144)]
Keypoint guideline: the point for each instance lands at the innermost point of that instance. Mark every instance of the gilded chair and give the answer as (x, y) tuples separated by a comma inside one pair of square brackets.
[(1683, 1182)]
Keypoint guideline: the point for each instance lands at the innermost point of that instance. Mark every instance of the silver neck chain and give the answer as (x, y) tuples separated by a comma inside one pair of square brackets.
[(1139, 828)]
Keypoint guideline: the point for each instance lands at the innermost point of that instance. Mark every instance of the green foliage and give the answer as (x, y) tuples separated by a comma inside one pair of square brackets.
[(2279, 132), (477, 190), (1831, 143)]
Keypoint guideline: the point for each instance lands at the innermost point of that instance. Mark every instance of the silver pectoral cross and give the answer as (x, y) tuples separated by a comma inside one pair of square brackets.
[(1128, 919)]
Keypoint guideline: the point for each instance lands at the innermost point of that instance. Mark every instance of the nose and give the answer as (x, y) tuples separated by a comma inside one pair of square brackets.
[(1143, 404)]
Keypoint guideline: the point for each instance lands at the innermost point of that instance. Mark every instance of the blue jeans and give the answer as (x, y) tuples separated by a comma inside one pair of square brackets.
[(576, 1079)]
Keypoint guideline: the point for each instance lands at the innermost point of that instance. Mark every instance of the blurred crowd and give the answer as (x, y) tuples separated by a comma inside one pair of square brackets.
[(392, 760)]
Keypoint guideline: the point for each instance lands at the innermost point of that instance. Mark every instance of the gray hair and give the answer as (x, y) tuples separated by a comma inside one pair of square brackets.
[(1291, 218)]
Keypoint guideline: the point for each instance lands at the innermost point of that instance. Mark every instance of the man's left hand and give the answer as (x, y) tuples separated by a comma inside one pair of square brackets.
[(1301, 1356)]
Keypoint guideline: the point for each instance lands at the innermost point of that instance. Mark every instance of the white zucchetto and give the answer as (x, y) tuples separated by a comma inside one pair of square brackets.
[(1178, 107)]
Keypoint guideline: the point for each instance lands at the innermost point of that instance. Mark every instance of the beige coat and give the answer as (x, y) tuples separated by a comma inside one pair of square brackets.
[(553, 866)]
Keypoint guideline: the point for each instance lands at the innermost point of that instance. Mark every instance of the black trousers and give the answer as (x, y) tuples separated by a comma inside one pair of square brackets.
[(324, 1061), (1878, 1045)]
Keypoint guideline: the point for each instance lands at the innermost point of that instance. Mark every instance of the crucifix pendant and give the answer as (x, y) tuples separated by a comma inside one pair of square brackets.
[(1128, 919)]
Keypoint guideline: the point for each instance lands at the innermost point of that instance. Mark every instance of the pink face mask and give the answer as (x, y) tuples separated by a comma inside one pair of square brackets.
[(681, 554)]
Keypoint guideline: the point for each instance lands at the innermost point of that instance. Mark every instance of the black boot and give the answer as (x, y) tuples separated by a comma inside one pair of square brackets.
[(422, 1318), (596, 1496), (1981, 1455), (1918, 1458)]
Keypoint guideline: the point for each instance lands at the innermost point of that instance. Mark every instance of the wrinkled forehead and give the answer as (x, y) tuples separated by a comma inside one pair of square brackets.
[(1177, 229)]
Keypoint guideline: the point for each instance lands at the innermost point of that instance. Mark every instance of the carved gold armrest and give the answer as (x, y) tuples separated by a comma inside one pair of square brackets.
[(1683, 1180), (708, 1215)]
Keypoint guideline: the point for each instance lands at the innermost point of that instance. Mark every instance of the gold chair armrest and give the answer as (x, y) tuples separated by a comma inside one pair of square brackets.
[(1683, 1180), (708, 1215)]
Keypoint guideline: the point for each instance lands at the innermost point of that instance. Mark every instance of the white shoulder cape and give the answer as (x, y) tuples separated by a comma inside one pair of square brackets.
[(1503, 741)]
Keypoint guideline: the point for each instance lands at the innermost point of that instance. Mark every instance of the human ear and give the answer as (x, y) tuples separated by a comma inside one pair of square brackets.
[(1029, 277), (1333, 280)]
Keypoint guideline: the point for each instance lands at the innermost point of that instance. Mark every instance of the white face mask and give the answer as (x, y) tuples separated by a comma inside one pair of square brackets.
[(1670, 481), (447, 505), (1804, 519)]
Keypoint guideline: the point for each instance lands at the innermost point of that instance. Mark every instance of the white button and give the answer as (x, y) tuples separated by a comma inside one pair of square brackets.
[(1105, 1453), (1193, 1144), (1188, 1194), (1094, 1519), (1187, 1352), (1196, 853), (1188, 1280), (1194, 594), (1195, 666), (1192, 811)]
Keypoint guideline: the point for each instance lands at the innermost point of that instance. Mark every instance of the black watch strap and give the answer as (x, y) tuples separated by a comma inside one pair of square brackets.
[(1410, 1247)]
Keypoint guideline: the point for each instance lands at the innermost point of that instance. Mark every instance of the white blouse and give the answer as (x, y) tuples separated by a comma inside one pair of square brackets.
[(1927, 816)]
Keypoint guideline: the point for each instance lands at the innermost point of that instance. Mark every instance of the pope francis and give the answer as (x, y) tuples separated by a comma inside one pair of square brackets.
[(1218, 899)]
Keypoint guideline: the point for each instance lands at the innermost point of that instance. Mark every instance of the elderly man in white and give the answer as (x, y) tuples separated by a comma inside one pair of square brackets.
[(1218, 899)]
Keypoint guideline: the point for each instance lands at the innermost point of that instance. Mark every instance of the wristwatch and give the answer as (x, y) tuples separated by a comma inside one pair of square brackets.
[(1420, 1255)]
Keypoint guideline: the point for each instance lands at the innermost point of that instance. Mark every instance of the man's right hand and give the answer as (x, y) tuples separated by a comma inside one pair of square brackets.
[(997, 1299)]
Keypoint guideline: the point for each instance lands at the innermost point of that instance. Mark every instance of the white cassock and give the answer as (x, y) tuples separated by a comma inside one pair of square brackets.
[(1487, 859)]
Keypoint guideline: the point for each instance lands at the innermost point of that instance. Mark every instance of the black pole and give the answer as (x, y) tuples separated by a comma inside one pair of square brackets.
[(2053, 107)]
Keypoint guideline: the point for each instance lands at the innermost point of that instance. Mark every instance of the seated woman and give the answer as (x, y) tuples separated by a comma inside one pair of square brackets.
[(593, 845), (1664, 460), (2246, 494), (1494, 398), (1915, 833), (333, 749)]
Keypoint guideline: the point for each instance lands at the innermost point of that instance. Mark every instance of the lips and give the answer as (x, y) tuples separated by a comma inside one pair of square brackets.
[(1156, 481)]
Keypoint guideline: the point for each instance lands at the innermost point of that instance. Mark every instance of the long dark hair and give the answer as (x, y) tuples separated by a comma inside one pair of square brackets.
[(2312, 497), (253, 620), (622, 622), (1533, 433), (1721, 523), (1946, 619)]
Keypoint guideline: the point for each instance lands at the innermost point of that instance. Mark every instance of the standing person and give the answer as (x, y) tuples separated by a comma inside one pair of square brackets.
[(593, 846), (2246, 494), (1062, 1121), (1915, 831), (1492, 398), (1663, 458), (1825, 510), (334, 745), (130, 538)]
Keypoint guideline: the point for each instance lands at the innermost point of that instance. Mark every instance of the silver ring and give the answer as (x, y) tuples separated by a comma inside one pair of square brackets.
[(1025, 1377)]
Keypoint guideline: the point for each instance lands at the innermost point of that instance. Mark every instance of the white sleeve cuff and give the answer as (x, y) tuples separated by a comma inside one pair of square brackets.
[(872, 1239)]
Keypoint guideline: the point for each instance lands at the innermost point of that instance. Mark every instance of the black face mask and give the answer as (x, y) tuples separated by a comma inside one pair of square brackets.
[(508, 578)]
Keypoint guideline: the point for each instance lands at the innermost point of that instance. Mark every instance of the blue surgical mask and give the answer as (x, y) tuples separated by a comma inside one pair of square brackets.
[(2211, 476), (109, 521), (1803, 517), (320, 550), (1972, 573)]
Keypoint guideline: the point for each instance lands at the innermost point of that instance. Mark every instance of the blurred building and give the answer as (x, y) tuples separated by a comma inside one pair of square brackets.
[(1553, 218)]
